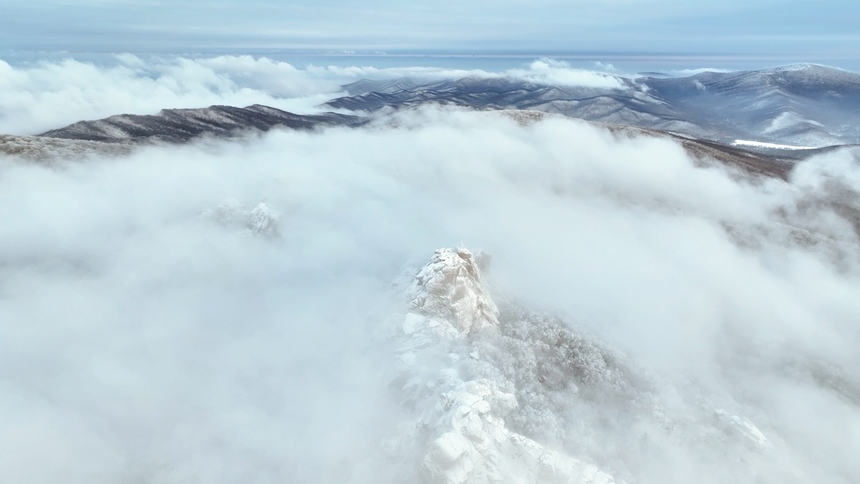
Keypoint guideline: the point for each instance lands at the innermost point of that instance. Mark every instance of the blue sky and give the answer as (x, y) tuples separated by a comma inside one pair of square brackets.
[(823, 32)]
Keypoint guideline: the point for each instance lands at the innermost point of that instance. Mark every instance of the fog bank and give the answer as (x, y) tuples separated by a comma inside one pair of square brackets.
[(151, 333)]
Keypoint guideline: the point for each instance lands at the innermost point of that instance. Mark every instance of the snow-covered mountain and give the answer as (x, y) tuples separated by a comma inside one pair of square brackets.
[(762, 121), (117, 134), (807, 105), (223, 311)]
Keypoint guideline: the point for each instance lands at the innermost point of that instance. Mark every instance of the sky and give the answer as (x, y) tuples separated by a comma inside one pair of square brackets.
[(823, 32)]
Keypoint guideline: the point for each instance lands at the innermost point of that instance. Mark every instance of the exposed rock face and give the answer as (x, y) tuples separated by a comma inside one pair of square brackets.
[(451, 287)]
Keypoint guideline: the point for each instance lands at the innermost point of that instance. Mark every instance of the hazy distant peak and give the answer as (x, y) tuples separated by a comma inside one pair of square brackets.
[(804, 105), (806, 67)]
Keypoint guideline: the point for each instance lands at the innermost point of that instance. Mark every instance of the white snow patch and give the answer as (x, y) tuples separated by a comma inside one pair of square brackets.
[(761, 144), (745, 428), (785, 120)]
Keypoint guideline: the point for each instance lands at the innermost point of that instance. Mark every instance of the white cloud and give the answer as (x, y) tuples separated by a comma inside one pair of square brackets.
[(47, 95), (541, 71), (143, 342), (36, 98), (551, 72), (693, 72)]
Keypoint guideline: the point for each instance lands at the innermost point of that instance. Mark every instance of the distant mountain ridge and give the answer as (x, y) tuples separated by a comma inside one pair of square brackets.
[(807, 105), (117, 134), (181, 125)]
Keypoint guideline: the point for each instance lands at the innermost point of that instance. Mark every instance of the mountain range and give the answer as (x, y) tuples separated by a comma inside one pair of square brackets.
[(761, 121), (485, 388), (181, 125), (804, 105)]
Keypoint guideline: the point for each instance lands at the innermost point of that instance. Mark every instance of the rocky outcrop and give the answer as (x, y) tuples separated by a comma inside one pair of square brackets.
[(462, 427)]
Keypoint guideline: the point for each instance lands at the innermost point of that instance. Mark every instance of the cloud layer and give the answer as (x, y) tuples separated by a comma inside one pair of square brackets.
[(48, 95), (145, 341), (35, 98)]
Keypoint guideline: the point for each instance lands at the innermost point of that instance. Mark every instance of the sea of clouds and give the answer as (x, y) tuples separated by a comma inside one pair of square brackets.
[(38, 96), (144, 339)]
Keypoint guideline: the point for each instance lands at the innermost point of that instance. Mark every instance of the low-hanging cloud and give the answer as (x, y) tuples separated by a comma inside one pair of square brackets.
[(145, 341), (48, 95), (41, 96), (541, 71)]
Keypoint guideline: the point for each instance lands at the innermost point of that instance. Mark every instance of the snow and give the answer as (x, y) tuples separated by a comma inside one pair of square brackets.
[(451, 286), (761, 144), (789, 120), (47, 149), (262, 220)]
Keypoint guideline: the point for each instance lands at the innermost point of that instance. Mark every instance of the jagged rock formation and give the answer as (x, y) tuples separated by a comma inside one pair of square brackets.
[(451, 287), (464, 430)]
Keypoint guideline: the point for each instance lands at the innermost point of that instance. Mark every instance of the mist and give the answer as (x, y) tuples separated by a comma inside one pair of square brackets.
[(148, 334), (42, 95)]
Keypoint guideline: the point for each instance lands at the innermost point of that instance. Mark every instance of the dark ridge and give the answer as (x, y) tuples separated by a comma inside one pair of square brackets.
[(182, 125)]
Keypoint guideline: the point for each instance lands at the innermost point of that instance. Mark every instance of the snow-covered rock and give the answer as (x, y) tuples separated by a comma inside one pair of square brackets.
[(461, 428), (260, 220), (451, 288)]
